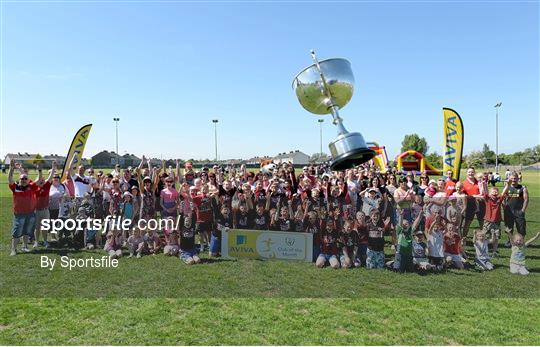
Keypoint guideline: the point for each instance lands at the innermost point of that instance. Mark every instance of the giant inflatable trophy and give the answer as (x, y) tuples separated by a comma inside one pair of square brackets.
[(323, 88)]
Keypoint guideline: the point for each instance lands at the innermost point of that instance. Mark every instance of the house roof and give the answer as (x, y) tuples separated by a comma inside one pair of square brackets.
[(289, 154)]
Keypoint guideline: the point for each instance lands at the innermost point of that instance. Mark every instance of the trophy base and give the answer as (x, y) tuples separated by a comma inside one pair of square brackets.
[(352, 159), (349, 150)]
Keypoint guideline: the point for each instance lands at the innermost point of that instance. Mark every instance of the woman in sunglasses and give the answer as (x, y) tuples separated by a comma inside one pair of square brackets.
[(169, 199), (56, 193)]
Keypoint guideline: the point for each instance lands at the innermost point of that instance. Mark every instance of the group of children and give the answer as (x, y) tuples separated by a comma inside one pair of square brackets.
[(354, 216)]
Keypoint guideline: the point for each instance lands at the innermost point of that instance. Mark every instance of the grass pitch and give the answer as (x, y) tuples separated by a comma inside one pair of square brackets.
[(159, 300)]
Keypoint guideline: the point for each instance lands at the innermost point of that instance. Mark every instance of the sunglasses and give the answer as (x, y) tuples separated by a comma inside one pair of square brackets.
[(169, 181), (56, 178), (24, 178)]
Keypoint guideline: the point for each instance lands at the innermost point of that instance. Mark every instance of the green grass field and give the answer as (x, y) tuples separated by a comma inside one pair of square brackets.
[(159, 300)]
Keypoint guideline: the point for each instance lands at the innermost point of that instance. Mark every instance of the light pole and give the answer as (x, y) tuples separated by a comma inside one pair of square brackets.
[(116, 120), (499, 104), (215, 121), (320, 130)]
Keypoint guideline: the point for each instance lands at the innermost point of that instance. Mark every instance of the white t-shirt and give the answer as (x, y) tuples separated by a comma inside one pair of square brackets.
[(107, 187), (435, 242), (83, 185), (55, 195)]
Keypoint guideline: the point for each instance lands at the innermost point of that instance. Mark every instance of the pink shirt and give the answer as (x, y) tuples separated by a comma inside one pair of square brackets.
[(169, 195)]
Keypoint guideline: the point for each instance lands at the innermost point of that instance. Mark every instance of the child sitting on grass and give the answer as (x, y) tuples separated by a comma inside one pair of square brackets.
[(419, 247), (151, 243), (114, 242), (135, 243), (482, 258), (517, 258), (90, 238), (171, 245), (328, 242), (452, 247), (328, 246)]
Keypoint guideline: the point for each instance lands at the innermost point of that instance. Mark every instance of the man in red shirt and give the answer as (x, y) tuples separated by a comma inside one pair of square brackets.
[(23, 207), (450, 184), (41, 195), (475, 205)]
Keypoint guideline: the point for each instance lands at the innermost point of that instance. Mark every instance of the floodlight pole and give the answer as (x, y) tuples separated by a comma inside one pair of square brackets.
[(497, 136), (116, 120), (215, 121), (320, 129)]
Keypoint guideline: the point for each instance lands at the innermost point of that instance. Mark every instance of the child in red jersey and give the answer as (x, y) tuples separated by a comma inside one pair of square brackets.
[(493, 216), (452, 247)]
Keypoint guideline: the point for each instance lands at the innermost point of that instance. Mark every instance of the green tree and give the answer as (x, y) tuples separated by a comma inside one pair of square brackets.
[(435, 159), (474, 159), (38, 159), (488, 154), (531, 155), (414, 142), (318, 157)]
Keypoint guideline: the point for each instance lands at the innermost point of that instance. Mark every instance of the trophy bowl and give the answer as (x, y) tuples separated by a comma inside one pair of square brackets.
[(310, 89), (323, 88)]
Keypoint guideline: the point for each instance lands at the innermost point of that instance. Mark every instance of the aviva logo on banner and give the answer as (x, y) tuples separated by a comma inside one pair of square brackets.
[(265, 244), (76, 149), (452, 142)]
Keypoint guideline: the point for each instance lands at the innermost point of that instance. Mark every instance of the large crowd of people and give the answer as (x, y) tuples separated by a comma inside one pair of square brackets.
[(353, 215)]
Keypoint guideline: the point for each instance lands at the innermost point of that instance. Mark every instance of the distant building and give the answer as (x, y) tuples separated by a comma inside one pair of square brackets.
[(294, 157), (106, 159), (130, 160), (31, 159)]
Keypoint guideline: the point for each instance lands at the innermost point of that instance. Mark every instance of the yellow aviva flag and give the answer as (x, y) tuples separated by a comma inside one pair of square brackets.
[(452, 142), (76, 149)]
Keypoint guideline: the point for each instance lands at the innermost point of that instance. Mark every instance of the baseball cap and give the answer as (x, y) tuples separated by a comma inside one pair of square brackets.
[(147, 179)]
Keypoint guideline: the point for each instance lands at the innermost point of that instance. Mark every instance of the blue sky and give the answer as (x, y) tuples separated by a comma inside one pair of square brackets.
[(167, 69)]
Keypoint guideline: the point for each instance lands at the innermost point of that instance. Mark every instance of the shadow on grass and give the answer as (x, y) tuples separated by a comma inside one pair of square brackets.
[(58, 251), (533, 257), (214, 260)]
